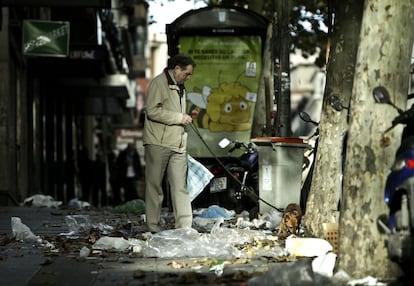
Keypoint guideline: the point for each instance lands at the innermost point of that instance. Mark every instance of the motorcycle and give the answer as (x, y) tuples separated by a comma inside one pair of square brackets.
[(309, 160), (399, 189), (310, 154), (235, 183)]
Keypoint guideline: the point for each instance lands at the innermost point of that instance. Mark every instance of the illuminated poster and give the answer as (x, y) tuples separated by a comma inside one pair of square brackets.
[(222, 92)]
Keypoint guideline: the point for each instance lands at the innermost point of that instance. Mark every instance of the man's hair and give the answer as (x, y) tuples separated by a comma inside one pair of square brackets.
[(180, 60)]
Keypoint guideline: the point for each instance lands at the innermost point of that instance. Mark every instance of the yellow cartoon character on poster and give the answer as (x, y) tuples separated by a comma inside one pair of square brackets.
[(224, 108)]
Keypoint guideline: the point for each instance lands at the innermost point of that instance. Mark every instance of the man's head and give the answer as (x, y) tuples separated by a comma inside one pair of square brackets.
[(182, 67)]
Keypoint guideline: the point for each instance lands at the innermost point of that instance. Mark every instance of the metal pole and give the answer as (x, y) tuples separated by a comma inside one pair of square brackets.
[(282, 68)]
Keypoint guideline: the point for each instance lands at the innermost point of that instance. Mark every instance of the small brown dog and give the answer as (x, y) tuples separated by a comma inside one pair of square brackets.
[(291, 220)]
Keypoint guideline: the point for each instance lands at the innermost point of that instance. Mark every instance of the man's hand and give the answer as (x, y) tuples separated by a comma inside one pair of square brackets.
[(186, 119)]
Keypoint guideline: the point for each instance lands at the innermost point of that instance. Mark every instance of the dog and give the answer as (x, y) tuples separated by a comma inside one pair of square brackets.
[(291, 220)]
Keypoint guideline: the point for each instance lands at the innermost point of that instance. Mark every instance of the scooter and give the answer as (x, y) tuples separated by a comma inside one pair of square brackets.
[(309, 160), (399, 189), (236, 182)]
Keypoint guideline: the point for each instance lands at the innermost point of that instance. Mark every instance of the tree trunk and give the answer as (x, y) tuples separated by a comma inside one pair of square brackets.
[(383, 59), (262, 114), (322, 204)]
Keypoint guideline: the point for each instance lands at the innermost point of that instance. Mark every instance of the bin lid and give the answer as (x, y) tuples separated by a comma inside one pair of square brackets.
[(280, 141), (293, 140)]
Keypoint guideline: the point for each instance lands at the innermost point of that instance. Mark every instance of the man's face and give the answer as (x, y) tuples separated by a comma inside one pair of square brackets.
[(182, 74)]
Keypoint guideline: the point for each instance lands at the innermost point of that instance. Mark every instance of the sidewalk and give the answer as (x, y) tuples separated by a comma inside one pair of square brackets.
[(24, 263)]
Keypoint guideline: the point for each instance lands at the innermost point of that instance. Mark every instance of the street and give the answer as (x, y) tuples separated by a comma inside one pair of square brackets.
[(61, 253)]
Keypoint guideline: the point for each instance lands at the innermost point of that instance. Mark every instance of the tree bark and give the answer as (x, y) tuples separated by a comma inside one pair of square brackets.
[(264, 103), (383, 59), (324, 196)]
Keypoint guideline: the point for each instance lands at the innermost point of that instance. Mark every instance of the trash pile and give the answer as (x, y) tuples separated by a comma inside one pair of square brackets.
[(219, 238)]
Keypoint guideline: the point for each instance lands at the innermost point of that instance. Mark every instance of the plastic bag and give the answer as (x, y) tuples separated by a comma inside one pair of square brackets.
[(187, 242), (220, 243), (215, 211), (291, 274), (324, 264), (75, 203), (84, 252), (107, 242), (198, 177), (22, 232), (307, 246), (42, 201), (78, 223)]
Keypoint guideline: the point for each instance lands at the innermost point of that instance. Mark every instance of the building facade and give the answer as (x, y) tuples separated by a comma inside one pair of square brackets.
[(59, 100)]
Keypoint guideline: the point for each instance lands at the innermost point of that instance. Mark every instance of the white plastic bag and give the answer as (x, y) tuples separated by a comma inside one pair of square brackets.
[(198, 177), (324, 264), (42, 201), (22, 232), (307, 246), (107, 242)]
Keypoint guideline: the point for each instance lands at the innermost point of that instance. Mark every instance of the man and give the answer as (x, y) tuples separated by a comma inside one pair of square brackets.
[(165, 141), (130, 170)]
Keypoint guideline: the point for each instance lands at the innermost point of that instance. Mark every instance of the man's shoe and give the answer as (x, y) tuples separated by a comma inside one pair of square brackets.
[(154, 228)]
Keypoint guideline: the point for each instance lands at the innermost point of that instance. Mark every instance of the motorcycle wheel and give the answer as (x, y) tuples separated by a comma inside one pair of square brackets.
[(241, 200), (401, 241)]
